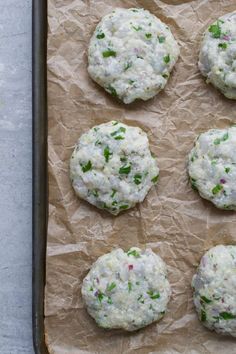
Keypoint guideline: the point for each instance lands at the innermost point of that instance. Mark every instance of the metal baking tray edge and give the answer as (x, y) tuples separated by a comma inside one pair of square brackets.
[(40, 189)]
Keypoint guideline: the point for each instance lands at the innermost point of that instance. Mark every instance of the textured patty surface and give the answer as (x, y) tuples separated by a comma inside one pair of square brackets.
[(112, 167), (131, 54), (127, 290), (217, 59), (214, 288), (212, 167)]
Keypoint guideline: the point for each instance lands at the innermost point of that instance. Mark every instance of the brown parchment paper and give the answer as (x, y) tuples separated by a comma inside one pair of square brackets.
[(173, 220)]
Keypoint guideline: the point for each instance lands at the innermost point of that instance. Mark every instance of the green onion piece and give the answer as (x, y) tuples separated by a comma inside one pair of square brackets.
[(217, 189), (87, 167), (161, 39), (100, 296), (108, 53), (152, 295), (128, 65), (137, 28), (133, 253), (222, 45), (155, 179), (227, 316), (148, 35), (215, 30), (203, 316), (125, 169), (167, 58), (100, 36), (129, 286), (111, 286), (137, 178), (123, 207), (113, 193), (112, 91), (107, 154), (206, 300), (227, 169)]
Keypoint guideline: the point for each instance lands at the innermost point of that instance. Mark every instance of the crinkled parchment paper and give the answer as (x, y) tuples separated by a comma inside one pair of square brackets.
[(173, 220)]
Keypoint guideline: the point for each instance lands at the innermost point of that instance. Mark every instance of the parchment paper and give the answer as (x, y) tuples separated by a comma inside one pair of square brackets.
[(173, 220)]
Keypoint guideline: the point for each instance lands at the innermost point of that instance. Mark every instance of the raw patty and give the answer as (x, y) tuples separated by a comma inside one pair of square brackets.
[(131, 54), (112, 167), (127, 290), (214, 288), (212, 167), (217, 59)]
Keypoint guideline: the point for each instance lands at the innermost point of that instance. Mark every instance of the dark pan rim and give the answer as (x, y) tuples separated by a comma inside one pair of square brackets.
[(39, 173)]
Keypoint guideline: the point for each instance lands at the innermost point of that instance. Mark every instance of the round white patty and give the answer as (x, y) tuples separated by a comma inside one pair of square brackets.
[(217, 59), (214, 288), (131, 54), (212, 167), (127, 290), (112, 167)]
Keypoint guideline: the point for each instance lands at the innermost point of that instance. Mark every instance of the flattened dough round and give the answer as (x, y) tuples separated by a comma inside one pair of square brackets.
[(214, 288), (131, 54), (127, 290), (112, 167), (217, 59), (212, 167)]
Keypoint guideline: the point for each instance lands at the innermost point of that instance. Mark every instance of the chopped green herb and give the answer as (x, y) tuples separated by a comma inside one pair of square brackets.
[(100, 36), (87, 167), (135, 10), (222, 45), (161, 39), (125, 169), (148, 35), (119, 137), (225, 136), (98, 142), (227, 316), (215, 30), (111, 286), (112, 91), (152, 295), (107, 154), (114, 203), (95, 129), (155, 179), (227, 169), (95, 193), (100, 296), (214, 162), (165, 76), (129, 286), (137, 178), (109, 53), (123, 207), (193, 183), (113, 193), (167, 58), (123, 159), (91, 288), (133, 253), (137, 28), (203, 316), (217, 141), (131, 82), (109, 301), (163, 312), (206, 300), (140, 298), (217, 189), (128, 65), (115, 122), (116, 133)]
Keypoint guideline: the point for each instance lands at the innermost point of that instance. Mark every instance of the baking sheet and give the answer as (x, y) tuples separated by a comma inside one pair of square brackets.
[(173, 220)]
